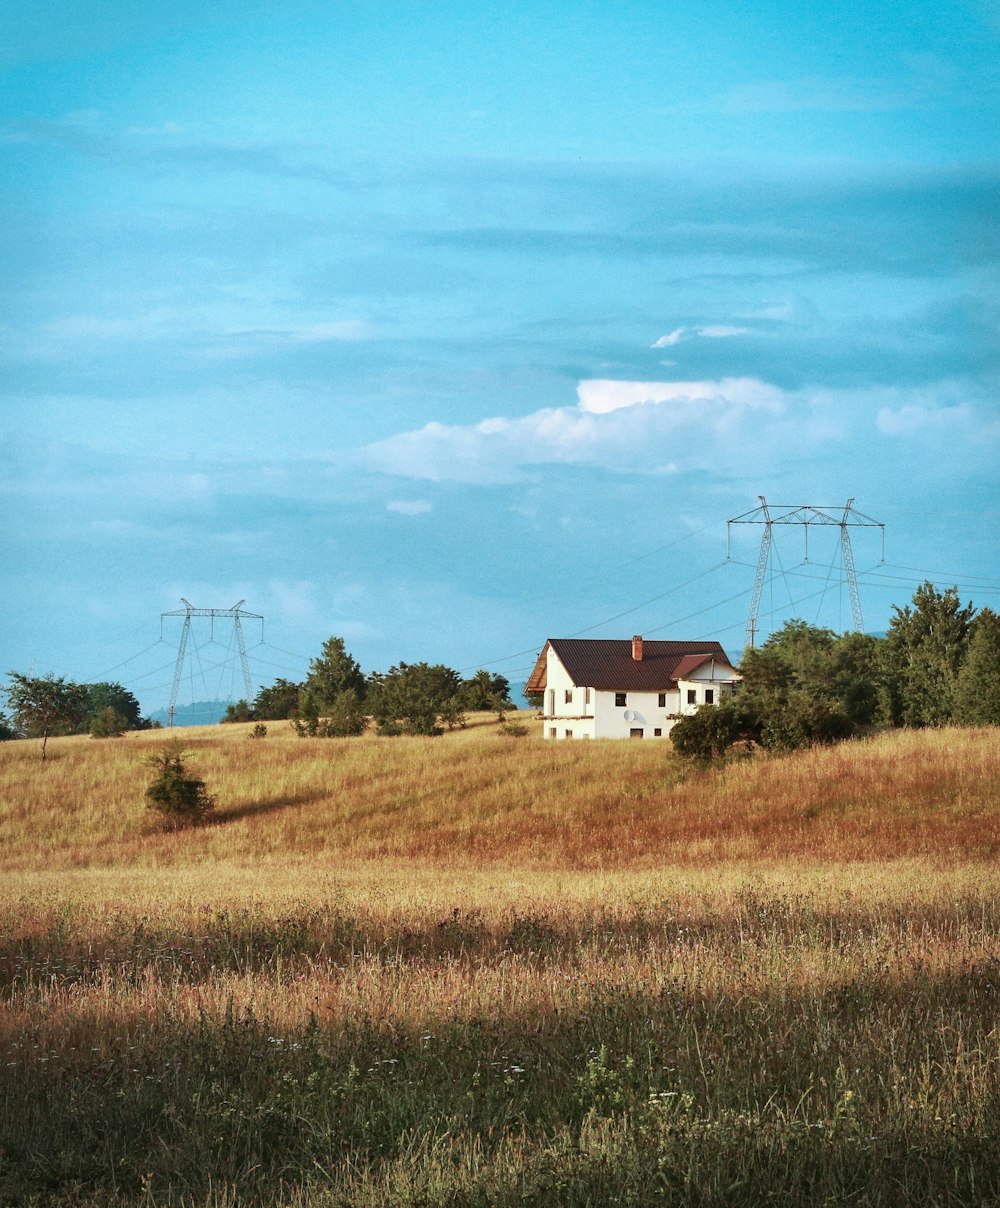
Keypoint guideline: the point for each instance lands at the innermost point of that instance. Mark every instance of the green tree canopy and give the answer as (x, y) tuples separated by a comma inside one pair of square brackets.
[(484, 691), (113, 696), (923, 653), (46, 705), (108, 723), (277, 701), (345, 718), (335, 671), (978, 685), (805, 685), (413, 697)]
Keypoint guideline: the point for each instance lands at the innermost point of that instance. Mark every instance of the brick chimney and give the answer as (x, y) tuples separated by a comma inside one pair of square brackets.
[(637, 647)]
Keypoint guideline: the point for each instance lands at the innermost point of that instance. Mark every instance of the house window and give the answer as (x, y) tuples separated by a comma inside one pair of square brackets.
[(568, 734), (586, 696), (553, 732), (692, 696), (662, 700), (620, 700), (568, 696), (709, 696), (657, 733), (635, 733), (552, 701)]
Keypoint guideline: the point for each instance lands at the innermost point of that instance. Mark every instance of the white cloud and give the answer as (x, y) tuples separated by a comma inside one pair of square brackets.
[(712, 331), (645, 427), (672, 338), (409, 507), (599, 396)]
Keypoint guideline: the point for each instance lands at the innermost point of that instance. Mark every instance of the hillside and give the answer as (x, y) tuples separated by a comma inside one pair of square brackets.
[(474, 798)]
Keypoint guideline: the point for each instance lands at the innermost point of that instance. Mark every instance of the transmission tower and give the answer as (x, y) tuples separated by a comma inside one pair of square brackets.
[(236, 613), (804, 515)]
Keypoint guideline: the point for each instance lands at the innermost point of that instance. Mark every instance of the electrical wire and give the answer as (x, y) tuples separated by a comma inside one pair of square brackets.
[(607, 620), (875, 578)]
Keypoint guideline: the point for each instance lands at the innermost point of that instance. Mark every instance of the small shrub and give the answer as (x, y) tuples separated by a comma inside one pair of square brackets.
[(182, 800), (259, 731), (513, 729)]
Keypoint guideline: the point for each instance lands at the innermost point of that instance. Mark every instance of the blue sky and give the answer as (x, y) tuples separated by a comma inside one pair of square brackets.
[(448, 328)]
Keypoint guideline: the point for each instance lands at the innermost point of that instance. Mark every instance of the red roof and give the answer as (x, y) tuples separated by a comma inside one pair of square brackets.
[(607, 663)]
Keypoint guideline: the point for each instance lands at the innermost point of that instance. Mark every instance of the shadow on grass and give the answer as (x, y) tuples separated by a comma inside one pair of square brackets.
[(255, 809)]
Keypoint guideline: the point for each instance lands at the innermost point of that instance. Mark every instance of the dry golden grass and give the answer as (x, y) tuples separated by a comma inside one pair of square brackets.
[(475, 799)]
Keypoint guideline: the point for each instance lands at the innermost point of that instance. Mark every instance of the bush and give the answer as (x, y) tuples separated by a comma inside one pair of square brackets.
[(513, 729), (711, 731), (259, 731), (182, 800)]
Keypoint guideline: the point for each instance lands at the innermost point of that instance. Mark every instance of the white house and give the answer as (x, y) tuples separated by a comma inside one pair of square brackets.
[(614, 688)]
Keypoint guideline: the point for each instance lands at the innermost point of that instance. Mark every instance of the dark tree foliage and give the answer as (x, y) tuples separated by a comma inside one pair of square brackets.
[(484, 692), (415, 698), (7, 731), (345, 718), (46, 706), (713, 730), (240, 711), (334, 672), (113, 696), (938, 663), (804, 686), (108, 723), (277, 702), (978, 685), (923, 654), (182, 800)]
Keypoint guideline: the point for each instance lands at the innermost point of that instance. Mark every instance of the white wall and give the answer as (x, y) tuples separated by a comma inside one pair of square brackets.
[(562, 718), (642, 711), (600, 717)]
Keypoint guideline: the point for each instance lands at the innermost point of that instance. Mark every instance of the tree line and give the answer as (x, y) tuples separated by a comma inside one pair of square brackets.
[(938, 664), (43, 706), (336, 699)]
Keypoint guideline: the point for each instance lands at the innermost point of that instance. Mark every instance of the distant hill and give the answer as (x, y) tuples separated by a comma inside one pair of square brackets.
[(198, 713)]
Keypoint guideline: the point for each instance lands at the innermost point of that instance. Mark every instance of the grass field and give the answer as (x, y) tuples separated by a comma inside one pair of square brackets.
[(478, 970)]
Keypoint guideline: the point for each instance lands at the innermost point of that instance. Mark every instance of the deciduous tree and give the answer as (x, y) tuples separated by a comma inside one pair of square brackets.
[(46, 705)]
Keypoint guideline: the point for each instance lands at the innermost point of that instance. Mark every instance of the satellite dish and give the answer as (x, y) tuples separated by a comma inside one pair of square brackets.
[(629, 715)]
